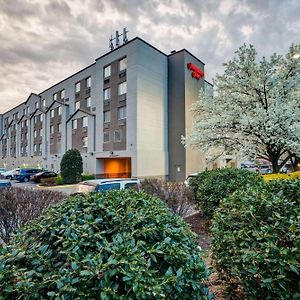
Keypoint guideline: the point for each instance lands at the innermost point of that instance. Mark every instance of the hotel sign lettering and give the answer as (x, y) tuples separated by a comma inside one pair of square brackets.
[(196, 72)]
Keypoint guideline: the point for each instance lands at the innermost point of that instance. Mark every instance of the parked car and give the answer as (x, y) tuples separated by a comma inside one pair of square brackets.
[(41, 175), (2, 170), (23, 175), (101, 185), (5, 184), (9, 174), (264, 169)]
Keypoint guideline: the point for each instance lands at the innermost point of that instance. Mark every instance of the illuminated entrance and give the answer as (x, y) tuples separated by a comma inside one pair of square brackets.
[(117, 167)]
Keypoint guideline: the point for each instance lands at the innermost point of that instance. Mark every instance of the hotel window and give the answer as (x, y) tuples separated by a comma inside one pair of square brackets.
[(55, 96), (106, 116), (28, 110), (74, 124), (26, 123), (26, 136), (77, 105), (43, 103), (40, 147), (22, 136), (41, 117), (88, 82), (35, 133), (123, 64), (24, 111), (85, 142), (36, 105), (122, 88), (84, 122), (62, 94), (58, 127), (52, 113), (122, 112), (51, 129), (34, 147), (40, 132), (105, 137), (106, 94), (77, 87), (25, 149), (117, 136), (35, 119), (59, 110), (107, 71), (88, 102)]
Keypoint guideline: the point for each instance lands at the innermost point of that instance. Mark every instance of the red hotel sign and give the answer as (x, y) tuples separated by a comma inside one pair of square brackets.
[(196, 73)]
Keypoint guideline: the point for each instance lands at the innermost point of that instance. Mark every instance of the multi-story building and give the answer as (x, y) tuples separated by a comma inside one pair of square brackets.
[(126, 113)]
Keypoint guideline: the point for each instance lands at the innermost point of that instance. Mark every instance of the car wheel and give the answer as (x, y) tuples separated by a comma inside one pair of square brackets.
[(9, 177), (25, 179)]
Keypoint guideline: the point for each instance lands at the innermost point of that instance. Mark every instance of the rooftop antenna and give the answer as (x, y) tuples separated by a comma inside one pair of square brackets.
[(116, 39)]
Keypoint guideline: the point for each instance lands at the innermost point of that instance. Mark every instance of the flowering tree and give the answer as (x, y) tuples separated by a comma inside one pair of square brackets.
[(255, 109)]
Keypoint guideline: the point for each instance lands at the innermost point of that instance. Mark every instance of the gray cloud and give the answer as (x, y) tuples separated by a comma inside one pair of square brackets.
[(43, 42)]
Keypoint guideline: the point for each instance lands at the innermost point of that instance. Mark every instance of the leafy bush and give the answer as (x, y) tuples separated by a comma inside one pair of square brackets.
[(115, 245), (177, 195), (48, 181), (59, 180), (71, 166), (87, 177), (256, 240), (21, 206), (277, 176), (210, 187)]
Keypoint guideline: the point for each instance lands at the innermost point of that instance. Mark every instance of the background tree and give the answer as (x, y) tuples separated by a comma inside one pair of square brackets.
[(255, 109), (71, 166)]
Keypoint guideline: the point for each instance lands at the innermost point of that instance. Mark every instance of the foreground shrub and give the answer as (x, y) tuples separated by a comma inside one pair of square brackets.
[(277, 176), (59, 180), (210, 187), (21, 206), (256, 240), (71, 166), (115, 245), (179, 198)]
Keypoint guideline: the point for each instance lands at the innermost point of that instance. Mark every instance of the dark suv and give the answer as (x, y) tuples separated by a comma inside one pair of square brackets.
[(23, 175)]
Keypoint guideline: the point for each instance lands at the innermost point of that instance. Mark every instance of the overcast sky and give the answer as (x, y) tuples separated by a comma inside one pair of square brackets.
[(44, 41)]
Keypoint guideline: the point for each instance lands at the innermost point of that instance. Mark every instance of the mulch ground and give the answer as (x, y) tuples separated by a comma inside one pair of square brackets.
[(199, 225)]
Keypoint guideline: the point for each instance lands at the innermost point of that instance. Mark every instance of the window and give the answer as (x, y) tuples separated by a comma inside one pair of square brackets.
[(107, 71), (22, 136), (122, 88), (40, 148), (34, 147), (26, 123), (59, 127), (40, 132), (77, 105), (84, 121), (88, 102), (35, 119), (131, 185), (106, 116), (55, 96), (28, 110), (74, 124), (85, 142), (77, 87), (24, 111), (26, 136), (106, 94), (36, 105), (62, 94), (122, 112), (123, 64), (43, 103), (88, 82), (35, 133), (25, 149), (106, 137), (52, 113), (51, 129), (108, 186), (117, 136), (59, 110), (41, 117)]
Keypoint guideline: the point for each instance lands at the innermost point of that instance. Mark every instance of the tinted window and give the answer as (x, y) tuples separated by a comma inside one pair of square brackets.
[(108, 186), (131, 185)]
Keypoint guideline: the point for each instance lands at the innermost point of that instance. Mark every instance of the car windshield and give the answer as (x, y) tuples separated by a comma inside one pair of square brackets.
[(108, 186)]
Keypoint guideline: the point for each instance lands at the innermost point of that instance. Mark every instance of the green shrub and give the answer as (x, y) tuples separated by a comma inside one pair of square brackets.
[(114, 245), (256, 240), (210, 187), (71, 166), (87, 177), (59, 180)]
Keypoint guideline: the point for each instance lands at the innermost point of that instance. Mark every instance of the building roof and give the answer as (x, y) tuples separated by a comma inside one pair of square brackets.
[(82, 110), (55, 101)]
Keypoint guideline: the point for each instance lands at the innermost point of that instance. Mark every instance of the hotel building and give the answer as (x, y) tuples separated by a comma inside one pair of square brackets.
[(125, 113)]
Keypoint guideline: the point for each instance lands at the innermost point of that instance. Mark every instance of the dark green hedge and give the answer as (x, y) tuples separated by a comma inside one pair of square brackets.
[(71, 166), (210, 187), (116, 245), (256, 240)]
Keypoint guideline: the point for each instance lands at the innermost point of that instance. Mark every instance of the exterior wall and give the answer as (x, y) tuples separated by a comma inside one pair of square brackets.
[(151, 113)]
